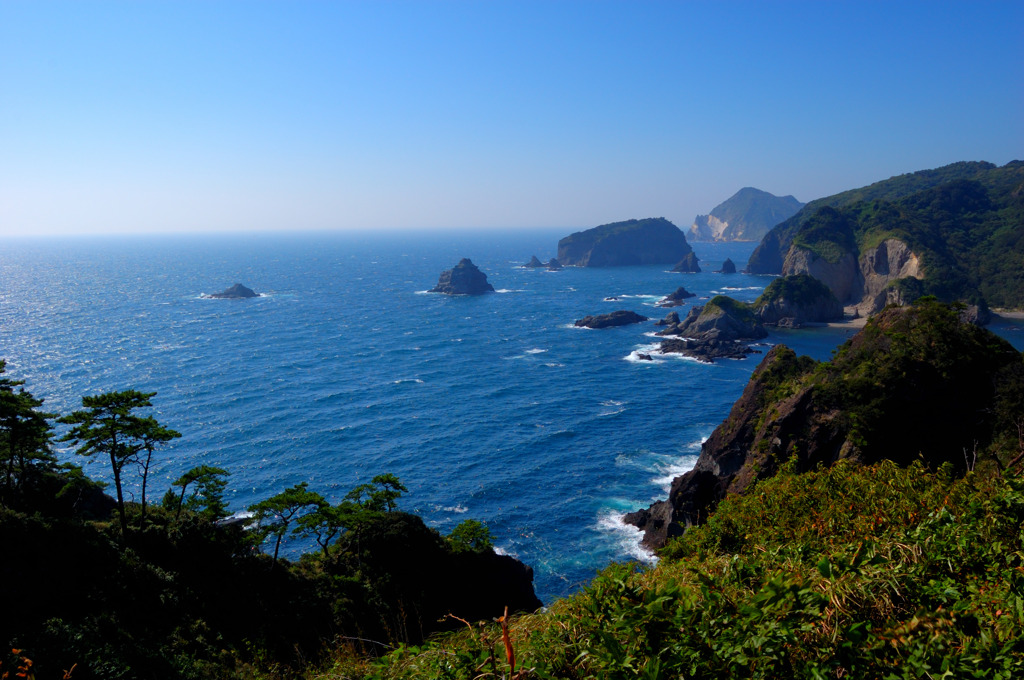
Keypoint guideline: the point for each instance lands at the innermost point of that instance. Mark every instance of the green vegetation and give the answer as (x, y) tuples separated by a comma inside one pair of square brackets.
[(963, 220), (801, 290), (743, 311), (852, 571), (173, 590)]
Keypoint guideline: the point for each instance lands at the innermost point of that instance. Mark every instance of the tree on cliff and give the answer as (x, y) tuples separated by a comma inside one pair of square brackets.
[(208, 497), (109, 425), (275, 515), (25, 434)]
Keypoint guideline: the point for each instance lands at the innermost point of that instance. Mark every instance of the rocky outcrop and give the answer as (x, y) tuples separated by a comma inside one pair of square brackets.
[(687, 265), (706, 350), (793, 301), (728, 267), (554, 265), (863, 282), (677, 298), (746, 216), (714, 331), (619, 318), (235, 292), (534, 263), (916, 379), (633, 242), (722, 318), (671, 319), (463, 279), (891, 260)]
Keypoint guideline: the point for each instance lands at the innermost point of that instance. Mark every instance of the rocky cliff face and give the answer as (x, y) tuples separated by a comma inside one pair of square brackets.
[(746, 216), (914, 379), (633, 242), (955, 220), (862, 282), (796, 300)]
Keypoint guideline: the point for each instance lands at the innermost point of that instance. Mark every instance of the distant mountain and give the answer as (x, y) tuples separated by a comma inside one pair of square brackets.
[(956, 232), (654, 240), (747, 216)]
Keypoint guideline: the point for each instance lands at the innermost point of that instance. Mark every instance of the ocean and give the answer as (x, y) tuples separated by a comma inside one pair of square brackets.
[(494, 408)]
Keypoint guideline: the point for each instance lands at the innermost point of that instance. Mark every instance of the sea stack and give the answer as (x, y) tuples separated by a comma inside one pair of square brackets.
[(463, 279), (728, 267), (554, 265), (235, 292), (534, 263), (688, 265)]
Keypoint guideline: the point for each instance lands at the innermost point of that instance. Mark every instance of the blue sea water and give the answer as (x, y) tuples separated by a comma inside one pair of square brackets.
[(493, 408)]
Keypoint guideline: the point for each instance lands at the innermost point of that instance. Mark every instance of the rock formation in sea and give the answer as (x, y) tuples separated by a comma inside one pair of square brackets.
[(534, 263), (728, 267), (715, 331), (633, 242), (463, 279), (618, 318), (914, 379), (688, 265), (746, 216), (554, 265), (792, 301), (235, 292), (676, 298), (671, 319)]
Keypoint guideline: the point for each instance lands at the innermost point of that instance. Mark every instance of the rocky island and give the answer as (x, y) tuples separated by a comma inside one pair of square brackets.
[(554, 265), (633, 242), (618, 318), (534, 263), (676, 298), (687, 265), (714, 331), (728, 267), (235, 292), (465, 278), (746, 216)]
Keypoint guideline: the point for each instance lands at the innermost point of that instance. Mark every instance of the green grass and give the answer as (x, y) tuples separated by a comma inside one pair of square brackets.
[(852, 571)]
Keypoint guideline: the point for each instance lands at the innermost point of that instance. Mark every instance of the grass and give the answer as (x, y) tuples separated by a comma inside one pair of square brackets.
[(878, 571)]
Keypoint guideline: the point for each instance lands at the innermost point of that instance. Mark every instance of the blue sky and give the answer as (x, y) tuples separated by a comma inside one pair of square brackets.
[(211, 116)]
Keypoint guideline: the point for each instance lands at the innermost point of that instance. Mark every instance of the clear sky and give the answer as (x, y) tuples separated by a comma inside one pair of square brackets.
[(210, 116)]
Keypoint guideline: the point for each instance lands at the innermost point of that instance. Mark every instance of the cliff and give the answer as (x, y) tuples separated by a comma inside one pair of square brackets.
[(746, 216), (633, 242), (914, 379), (795, 300), (956, 232)]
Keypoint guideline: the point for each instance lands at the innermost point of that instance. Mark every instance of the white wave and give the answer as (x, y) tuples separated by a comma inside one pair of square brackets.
[(575, 327), (626, 536), (536, 351), (457, 509), (422, 292), (508, 290), (651, 351), (673, 469), (611, 408), (407, 380), (554, 365), (743, 288)]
